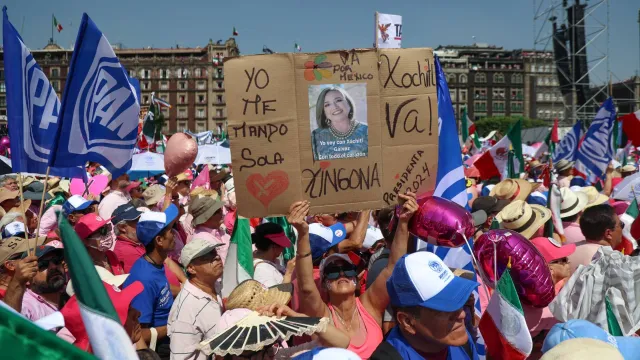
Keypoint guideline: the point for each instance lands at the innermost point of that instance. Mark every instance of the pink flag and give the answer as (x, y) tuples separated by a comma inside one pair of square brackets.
[(202, 180)]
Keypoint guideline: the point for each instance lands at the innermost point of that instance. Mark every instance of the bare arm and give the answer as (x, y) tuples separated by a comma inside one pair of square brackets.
[(608, 184), (376, 298), (25, 270), (310, 300), (356, 239)]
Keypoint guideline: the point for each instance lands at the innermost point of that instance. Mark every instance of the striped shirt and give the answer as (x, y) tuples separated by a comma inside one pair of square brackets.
[(192, 319)]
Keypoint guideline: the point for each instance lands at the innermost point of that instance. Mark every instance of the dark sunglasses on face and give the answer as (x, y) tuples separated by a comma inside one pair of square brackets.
[(43, 264), (104, 230), (333, 272)]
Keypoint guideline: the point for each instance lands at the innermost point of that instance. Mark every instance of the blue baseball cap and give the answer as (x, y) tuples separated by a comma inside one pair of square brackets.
[(76, 203), (152, 223), (422, 279), (322, 238), (628, 346), (323, 353)]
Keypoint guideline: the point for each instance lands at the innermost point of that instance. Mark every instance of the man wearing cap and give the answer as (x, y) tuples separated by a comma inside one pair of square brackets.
[(197, 309), (600, 226), (16, 271), (8, 200), (76, 206), (428, 302), (116, 197), (207, 221), (571, 207), (564, 168), (95, 233), (154, 303)]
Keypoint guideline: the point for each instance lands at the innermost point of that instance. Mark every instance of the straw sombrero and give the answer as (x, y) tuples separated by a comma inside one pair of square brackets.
[(513, 189), (563, 165), (594, 196), (251, 294), (523, 218), (572, 202)]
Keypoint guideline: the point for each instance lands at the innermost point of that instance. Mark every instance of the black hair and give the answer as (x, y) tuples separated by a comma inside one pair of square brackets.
[(596, 220), (571, 218), (152, 244), (147, 354), (259, 236)]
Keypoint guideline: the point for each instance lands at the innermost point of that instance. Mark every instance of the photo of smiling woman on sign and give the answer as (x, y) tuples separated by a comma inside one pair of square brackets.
[(337, 130)]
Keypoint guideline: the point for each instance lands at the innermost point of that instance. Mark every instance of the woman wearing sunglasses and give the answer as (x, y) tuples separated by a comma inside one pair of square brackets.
[(95, 232), (360, 316)]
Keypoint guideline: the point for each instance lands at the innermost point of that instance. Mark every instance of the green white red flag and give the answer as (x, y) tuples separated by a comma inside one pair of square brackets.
[(238, 265), (494, 162)]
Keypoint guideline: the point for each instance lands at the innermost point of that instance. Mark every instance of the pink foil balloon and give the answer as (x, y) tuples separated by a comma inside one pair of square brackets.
[(529, 270), (5, 142), (181, 152), (441, 222)]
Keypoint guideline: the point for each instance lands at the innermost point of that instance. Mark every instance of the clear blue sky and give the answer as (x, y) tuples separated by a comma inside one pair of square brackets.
[(317, 25)]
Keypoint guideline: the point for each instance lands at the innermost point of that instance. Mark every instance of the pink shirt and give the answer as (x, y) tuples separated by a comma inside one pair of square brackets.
[(583, 255), (110, 202), (35, 307), (49, 220), (216, 236), (564, 181), (572, 232)]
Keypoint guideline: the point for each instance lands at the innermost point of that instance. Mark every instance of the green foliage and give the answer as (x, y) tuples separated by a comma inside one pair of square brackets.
[(502, 124)]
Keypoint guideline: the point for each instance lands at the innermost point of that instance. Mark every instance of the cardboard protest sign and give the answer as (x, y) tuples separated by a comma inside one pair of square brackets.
[(346, 130)]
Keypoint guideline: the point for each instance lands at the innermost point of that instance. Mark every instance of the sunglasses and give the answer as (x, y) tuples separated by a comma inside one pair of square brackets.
[(333, 272), (43, 264), (561, 261), (105, 230)]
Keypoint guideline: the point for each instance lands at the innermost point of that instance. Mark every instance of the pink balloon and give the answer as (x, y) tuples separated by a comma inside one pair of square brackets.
[(5, 142), (181, 152), (441, 222), (529, 270)]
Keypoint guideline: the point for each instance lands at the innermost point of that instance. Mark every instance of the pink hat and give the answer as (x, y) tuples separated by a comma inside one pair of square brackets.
[(279, 239), (620, 207), (229, 220), (551, 249), (133, 185), (88, 224)]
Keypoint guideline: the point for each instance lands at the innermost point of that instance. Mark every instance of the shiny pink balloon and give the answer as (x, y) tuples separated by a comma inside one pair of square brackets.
[(180, 154), (529, 270), (5, 142), (441, 222)]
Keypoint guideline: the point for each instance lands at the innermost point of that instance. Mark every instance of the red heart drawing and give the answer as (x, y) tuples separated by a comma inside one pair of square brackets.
[(426, 68), (324, 164), (397, 176), (266, 188)]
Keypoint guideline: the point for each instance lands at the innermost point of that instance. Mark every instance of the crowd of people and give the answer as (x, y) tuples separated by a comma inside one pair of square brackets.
[(160, 246)]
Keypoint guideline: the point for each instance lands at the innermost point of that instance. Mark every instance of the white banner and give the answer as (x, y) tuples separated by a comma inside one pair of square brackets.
[(388, 31)]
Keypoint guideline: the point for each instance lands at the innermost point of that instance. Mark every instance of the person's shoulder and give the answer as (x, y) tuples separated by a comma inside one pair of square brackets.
[(385, 351), (320, 132)]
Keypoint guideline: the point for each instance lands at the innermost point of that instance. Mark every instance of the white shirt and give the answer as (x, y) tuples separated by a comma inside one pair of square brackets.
[(267, 273)]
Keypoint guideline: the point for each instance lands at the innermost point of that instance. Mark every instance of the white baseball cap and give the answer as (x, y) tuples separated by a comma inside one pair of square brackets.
[(322, 238), (422, 279)]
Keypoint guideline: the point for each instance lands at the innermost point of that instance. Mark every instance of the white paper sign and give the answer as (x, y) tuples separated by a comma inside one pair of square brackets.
[(388, 31)]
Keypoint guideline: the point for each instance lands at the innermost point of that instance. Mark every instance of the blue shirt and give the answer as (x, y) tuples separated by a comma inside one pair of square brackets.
[(396, 339), (154, 302)]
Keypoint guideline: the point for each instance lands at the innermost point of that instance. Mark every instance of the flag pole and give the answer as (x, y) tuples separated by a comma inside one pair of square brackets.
[(52, 17), (44, 193), (24, 215)]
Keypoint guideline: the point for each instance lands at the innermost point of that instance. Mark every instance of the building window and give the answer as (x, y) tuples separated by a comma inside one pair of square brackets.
[(182, 85), (219, 73), (3, 87), (554, 81), (517, 94), (200, 85), (200, 126), (200, 113), (547, 68), (132, 73), (145, 74), (498, 106), (164, 85), (547, 97), (516, 79), (198, 72), (182, 99), (451, 78), (540, 97), (498, 78), (463, 95), (219, 98), (145, 85), (182, 125), (452, 94), (3, 101), (498, 93), (547, 114), (165, 113), (201, 99), (164, 97), (182, 113), (480, 93), (477, 117), (479, 106), (516, 106), (164, 73), (145, 99), (539, 81), (480, 78), (547, 81), (219, 83), (463, 78), (219, 113), (55, 84), (55, 72), (1, 73), (182, 73)]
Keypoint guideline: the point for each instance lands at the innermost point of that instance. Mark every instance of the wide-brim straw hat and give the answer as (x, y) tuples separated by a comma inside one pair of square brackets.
[(251, 294), (523, 218), (513, 189), (572, 202), (594, 196), (563, 165), (583, 349)]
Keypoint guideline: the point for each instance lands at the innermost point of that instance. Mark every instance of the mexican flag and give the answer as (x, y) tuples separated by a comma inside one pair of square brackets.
[(631, 127), (628, 218), (24, 339), (106, 334), (149, 122), (549, 144), (495, 161), (297, 47), (238, 266), (56, 24), (468, 127), (502, 325), (612, 321), (235, 33)]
